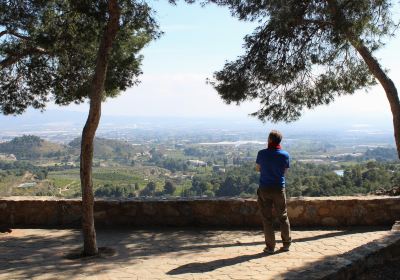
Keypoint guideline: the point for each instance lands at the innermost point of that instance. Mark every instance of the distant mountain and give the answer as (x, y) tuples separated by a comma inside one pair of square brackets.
[(47, 118), (32, 147), (53, 123)]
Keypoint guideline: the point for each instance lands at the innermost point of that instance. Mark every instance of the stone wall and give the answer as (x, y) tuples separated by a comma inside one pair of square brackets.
[(228, 212)]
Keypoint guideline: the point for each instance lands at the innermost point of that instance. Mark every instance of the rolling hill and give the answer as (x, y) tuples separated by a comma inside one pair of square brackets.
[(32, 147), (107, 148)]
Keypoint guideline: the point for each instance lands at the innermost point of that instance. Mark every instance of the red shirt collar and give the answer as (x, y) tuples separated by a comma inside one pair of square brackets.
[(274, 146)]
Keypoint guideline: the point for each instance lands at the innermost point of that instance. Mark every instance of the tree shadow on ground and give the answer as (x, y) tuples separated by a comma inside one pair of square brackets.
[(336, 233), (199, 267), (27, 253)]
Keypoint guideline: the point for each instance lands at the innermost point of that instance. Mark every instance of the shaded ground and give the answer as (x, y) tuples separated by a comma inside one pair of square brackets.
[(178, 254), (388, 271)]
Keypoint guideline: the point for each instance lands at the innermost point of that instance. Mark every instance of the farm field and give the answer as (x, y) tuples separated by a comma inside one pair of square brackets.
[(206, 169)]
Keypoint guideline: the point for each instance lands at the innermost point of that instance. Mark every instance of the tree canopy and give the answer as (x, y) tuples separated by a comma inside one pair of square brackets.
[(48, 50), (303, 53)]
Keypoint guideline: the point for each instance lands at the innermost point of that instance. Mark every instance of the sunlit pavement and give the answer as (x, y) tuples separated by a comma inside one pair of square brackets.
[(184, 253)]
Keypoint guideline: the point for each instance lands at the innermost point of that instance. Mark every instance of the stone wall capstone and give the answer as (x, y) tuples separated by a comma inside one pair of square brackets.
[(219, 212)]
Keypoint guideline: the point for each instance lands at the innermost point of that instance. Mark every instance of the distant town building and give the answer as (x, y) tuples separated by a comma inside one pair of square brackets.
[(196, 162), (218, 168), (11, 157), (27, 185)]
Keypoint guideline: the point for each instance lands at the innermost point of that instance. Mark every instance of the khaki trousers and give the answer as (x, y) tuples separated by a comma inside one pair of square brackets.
[(269, 198)]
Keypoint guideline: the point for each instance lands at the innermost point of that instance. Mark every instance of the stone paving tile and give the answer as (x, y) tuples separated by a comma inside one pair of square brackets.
[(177, 254)]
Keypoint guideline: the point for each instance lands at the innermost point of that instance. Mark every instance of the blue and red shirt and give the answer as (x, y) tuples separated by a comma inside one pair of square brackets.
[(273, 162)]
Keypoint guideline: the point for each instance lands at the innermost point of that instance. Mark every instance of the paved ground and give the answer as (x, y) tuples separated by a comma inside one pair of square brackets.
[(177, 254)]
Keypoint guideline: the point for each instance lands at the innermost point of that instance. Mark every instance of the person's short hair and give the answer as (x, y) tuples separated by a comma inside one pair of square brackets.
[(275, 136)]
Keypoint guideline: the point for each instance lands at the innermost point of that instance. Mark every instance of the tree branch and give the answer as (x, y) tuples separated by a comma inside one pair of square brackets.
[(15, 57), (15, 34), (23, 37), (320, 23)]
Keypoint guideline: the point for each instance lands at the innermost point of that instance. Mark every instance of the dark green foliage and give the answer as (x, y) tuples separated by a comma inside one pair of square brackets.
[(303, 179), (381, 154), (19, 168), (169, 188), (109, 191), (301, 55), (320, 180), (156, 155), (48, 50), (199, 186), (240, 180), (195, 152), (173, 164), (149, 190)]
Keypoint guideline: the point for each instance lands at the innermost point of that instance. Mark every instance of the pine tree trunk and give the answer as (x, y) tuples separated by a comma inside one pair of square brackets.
[(89, 131), (388, 86), (375, 68)]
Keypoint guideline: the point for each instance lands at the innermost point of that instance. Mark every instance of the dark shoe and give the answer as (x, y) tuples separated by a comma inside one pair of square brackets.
[(268, 251), (284, 249)]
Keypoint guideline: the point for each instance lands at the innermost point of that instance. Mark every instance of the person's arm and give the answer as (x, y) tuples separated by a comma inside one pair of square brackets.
[(258, 167), (287, 165)]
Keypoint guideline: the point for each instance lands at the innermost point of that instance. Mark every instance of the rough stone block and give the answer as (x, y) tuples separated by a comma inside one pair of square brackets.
[(246, 210), (132, 211), (358, 211), (329, 221), (100, 215), (168, 210), (186, 210), (341, 210), (311, 212), (295, 212), (323, 211), (149, 209), (203, 209), (395, 207)]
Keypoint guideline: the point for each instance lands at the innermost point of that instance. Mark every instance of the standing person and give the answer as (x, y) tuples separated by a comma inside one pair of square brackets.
[(272, 163)]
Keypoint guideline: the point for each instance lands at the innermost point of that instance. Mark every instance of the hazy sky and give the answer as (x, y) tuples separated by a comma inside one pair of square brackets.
[(197, 42)]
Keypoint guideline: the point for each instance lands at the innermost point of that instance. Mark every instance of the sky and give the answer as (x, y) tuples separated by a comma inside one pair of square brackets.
[(196, 42)]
